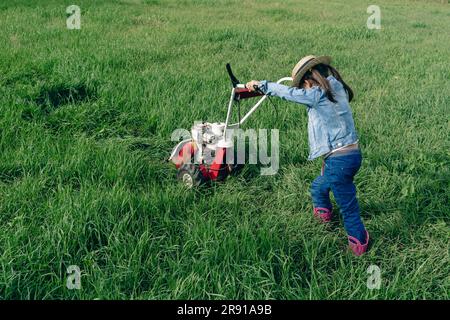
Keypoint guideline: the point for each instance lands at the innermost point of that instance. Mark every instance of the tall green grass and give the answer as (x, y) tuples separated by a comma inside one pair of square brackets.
[(85, 123)]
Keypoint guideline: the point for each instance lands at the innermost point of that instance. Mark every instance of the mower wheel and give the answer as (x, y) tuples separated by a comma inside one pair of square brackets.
[(190, 175)]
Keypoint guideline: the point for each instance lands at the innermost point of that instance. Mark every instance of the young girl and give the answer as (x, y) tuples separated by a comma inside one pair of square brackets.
[(332, 135)]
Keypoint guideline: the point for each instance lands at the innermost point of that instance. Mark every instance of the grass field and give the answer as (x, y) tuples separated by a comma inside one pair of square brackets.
[(85, 124)]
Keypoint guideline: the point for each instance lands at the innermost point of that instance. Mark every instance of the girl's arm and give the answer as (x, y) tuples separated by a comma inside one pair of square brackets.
[(307, 97)]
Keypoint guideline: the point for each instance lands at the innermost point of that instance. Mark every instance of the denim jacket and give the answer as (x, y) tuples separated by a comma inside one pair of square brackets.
[(330, 125)]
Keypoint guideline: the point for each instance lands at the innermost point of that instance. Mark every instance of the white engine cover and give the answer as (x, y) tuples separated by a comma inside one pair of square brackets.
[(211, 135)]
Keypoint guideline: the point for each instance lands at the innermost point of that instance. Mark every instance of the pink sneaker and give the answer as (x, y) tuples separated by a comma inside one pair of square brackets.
[(323, 214), (356, 246)]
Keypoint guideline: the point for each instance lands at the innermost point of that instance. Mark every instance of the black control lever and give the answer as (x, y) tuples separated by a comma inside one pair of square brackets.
[(234, 80)]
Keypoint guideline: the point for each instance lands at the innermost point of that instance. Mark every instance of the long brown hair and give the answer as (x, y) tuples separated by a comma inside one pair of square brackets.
[(318, 75)]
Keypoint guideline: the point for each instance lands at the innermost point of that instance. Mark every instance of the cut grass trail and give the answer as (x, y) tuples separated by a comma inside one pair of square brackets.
[(85, 125)]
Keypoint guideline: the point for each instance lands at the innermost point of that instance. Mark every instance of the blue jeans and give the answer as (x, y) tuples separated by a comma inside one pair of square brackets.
[(337, 176)]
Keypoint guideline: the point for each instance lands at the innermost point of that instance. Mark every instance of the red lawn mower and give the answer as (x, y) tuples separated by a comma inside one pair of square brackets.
[(208, 154)]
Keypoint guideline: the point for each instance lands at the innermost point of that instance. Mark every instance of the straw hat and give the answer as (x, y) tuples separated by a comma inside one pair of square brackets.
[(306, 64)]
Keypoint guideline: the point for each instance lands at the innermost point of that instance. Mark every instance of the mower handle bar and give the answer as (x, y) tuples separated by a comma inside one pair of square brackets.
[(256, 106), (249, 113)]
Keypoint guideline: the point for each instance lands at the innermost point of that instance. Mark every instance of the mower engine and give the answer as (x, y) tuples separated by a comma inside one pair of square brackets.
[(203, 157), (208, 133)]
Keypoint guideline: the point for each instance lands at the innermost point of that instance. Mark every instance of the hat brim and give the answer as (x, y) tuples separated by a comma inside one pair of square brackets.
[(300, 70)]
